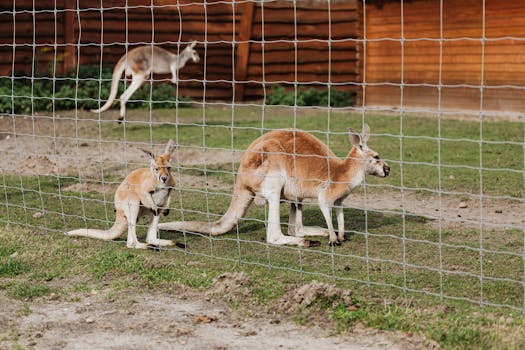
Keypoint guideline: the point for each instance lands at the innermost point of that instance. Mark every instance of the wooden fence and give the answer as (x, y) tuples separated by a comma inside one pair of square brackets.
[(473, 72), (249, 46), (246, 47)]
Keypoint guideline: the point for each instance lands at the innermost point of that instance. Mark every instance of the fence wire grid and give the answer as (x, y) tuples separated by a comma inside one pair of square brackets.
[(448, 222)]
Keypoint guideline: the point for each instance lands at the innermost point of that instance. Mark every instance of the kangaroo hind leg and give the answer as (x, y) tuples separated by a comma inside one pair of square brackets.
[(136, 82), (131, 210), (152, 236), (296, 228), (271, 190)]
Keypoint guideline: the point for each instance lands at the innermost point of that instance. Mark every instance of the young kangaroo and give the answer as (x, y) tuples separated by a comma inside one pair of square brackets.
[(294, 165), (140, 63), (145, 191)]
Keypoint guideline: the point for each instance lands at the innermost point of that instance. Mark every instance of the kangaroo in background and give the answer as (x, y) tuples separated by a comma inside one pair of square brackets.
[(145, 191), (294, 165), (140, 63)]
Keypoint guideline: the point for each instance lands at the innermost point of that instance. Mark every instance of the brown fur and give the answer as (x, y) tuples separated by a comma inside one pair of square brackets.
[(299, 166), (145, 191), (140, 63)]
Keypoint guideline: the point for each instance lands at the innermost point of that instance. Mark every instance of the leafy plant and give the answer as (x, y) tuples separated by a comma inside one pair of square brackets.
[(24, 95), (310, 97)]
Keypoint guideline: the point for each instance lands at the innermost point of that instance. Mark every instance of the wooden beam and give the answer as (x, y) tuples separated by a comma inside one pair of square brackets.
[(360, 54), (70, 29), (243, 48)]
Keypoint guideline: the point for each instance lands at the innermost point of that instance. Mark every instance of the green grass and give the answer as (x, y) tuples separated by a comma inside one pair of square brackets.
[(401, 278), (23, 290), (81, 265), (420, 156), (12, 267)]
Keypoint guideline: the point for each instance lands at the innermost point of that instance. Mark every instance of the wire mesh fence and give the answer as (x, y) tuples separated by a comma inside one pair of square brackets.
[(443, 95)]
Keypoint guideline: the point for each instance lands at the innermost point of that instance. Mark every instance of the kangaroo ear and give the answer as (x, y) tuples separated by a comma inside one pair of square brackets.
[(170, 147), (193, 43), (366, 133), (355, 138), (149, 153)]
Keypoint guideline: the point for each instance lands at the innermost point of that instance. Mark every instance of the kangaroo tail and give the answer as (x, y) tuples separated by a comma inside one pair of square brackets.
[(117, 73), (241, 200), (114, 232)]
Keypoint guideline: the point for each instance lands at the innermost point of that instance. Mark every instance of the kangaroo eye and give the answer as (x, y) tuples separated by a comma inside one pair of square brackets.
[(376, 157), (168, 168)]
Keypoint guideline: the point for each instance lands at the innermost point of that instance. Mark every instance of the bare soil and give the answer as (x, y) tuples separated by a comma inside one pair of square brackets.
[(449, 211), (175, 318)]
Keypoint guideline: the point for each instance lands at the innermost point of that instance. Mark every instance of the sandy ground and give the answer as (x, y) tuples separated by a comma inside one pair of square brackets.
[(176, 319)]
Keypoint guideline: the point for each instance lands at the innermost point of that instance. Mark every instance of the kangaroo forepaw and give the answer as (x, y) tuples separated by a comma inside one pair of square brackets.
[(334, 243)]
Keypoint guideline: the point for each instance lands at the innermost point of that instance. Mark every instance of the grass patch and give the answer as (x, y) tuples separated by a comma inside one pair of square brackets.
[(273, 271), (23, 290), (393, 263), (383, 249), (12, 267), (423, 155)]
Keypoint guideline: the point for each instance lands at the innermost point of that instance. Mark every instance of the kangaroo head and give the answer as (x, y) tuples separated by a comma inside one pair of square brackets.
[(160, 165), (191, 53), (373, 163)]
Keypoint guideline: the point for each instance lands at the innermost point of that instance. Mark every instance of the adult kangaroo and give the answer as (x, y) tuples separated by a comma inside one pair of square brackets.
[(294, 165)]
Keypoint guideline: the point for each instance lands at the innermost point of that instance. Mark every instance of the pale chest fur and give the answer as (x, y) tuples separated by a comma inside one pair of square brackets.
[(160, 195), (356, 180)]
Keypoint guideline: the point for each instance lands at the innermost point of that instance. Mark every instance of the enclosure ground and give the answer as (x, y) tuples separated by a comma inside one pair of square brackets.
[(425, 246), (174, 319), (71, 144)]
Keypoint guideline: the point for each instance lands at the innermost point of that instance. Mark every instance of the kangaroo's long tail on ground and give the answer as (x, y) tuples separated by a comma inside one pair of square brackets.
[(114, 232), (117, 73), (241, 200)]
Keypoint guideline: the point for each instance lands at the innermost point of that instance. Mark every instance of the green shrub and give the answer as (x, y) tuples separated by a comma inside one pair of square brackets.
[(310, 97), (22, 95)]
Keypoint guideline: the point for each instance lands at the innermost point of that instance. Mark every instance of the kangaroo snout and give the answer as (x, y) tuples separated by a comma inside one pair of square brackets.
[(386, 170), (164, 178)]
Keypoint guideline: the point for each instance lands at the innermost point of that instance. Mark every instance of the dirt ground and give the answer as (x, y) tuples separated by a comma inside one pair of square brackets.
[(31, 152), (183, 319), (176, 319)]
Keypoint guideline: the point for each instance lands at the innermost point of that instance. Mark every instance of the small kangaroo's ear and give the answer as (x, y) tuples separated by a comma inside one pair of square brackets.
[(149, 153), (366, 133), (170, 147), (355, 138), (192, 44)]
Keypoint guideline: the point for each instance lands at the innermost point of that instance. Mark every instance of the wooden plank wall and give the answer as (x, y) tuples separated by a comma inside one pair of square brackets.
[(461, 64), (105, 36), (313, 43), (105, 33), (101, 35), (33, 37)]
